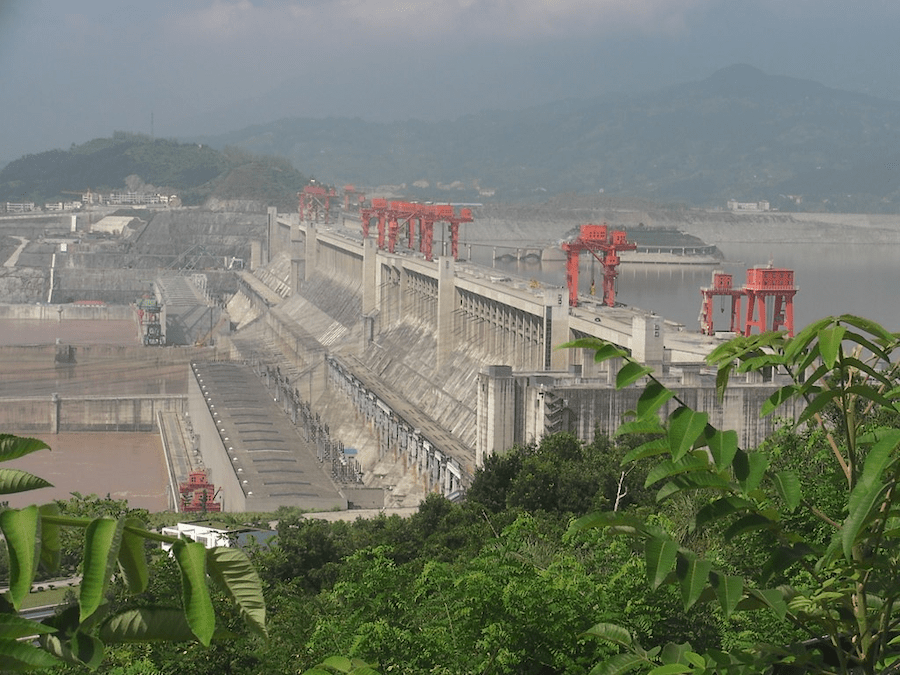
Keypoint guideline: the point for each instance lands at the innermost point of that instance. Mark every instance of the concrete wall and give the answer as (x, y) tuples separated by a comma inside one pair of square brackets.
[(86, 413), (69, 311), (215, 459)]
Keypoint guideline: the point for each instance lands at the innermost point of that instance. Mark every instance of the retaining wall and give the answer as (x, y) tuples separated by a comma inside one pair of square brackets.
[(86, 413)]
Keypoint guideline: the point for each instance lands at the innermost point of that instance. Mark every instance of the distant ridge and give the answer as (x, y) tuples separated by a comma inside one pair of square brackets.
[(738, 134)]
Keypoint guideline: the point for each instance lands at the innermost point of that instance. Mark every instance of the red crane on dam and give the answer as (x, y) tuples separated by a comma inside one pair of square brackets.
[(417, 217), (314, 203), (596, 239), (762, 283)]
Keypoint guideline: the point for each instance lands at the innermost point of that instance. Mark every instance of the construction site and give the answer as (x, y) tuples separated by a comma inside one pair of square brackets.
[(340, 356)]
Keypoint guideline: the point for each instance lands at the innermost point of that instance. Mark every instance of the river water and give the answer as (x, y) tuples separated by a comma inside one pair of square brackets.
[(861, 279)]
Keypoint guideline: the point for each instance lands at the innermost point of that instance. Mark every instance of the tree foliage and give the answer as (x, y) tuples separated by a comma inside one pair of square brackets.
[(113, 547), (838, 582)]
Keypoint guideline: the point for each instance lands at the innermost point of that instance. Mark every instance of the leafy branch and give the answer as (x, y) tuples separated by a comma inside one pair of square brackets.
[(841, 368), (112, 546)]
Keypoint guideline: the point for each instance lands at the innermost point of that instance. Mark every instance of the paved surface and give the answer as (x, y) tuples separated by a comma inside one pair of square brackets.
[(274, 459)]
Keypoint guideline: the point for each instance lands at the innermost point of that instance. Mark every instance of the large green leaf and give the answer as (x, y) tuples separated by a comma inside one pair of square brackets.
[(722, 445), (748, 523), (671, 669), (13, 447), (693, 576), (611, 633), (651, 448), (830, 344), (18, 656), (659, 556), (50, 542), (729, 590), (871, 327), (191, 558), (880, 455), (719, 508), (102, 540), (619, 664), (132, 558), (821, 400), (13, 627), (749, 468), (802, 339), (630, 373), (771, 598), (787, 484), (80, 649), (645, 425), (148, 624), (864, 504), (20, 528), (685, 427), (603, 350), (778, 398), (16, 480), (654, 397), (668, 468), (232, 570)]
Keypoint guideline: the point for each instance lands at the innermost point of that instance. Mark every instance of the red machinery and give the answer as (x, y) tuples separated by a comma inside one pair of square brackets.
[(392, 214), (314, 203), (722, 286), (596, 239), (762, 282), (198, 494), (353, 197)]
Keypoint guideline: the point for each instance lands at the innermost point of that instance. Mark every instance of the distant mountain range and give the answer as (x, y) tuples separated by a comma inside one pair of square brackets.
[(739, 134)]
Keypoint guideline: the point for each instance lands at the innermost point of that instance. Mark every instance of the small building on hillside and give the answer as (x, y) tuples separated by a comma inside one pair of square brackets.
[(212, 535)]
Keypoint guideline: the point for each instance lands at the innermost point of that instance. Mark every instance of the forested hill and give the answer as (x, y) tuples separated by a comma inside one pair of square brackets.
[(192, 171), (739, 134)]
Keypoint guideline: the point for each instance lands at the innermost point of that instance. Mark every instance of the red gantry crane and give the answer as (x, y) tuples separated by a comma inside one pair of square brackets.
[(721, 286), (314, 203), (762, 283), (391, 215), (596, 239)]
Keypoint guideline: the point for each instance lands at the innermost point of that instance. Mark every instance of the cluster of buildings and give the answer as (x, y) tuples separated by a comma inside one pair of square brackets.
[(89, 198)]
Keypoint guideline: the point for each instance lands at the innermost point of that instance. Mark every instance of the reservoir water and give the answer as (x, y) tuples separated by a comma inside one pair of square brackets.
[(860, 279)]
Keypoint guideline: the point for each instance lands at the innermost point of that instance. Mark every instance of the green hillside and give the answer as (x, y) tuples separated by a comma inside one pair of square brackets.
[(194, 172)]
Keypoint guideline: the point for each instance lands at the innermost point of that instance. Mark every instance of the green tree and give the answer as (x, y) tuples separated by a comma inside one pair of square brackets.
[(112, 546), (821, 515)]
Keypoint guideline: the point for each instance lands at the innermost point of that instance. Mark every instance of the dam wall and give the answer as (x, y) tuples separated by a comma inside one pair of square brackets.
[(470, 355), (68, 311), (55, 413)]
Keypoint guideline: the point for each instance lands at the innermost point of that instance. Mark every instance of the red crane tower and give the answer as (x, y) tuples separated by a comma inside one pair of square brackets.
[(391, 214), (596, 239), (765, 282), (762, 283), (314, 203), (198, 494), (721, 286), (353, 197)]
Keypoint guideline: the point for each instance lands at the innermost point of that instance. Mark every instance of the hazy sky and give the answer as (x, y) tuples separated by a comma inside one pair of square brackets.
[(71, 71)]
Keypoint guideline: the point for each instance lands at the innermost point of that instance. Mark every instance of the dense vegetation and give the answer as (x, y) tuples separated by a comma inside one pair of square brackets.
[(739, 134), (192, 171), (695, 556)]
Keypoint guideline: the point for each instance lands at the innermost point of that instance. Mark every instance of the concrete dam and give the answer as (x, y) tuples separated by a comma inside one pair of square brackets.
[(424, 368)]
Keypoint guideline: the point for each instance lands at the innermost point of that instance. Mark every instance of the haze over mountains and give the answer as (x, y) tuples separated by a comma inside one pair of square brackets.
[(738, 134)]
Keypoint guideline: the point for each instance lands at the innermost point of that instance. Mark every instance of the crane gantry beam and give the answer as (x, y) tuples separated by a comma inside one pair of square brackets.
[(596, 239)]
